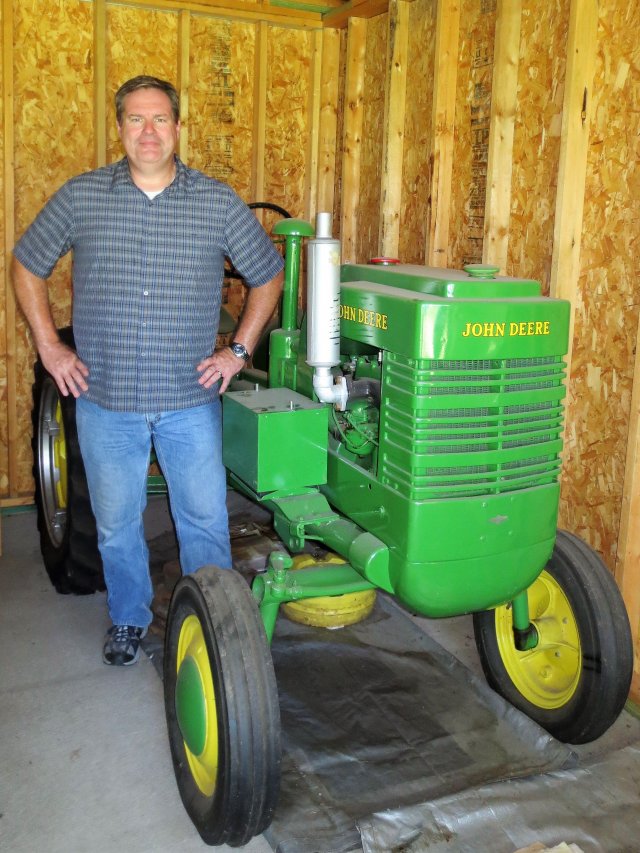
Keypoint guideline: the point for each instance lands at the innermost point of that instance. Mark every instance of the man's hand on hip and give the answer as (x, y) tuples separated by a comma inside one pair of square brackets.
[(221, 367), (66, 368)]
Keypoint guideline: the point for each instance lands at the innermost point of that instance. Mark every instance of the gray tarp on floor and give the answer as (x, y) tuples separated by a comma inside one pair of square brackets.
[(378, 716), (596, 807)]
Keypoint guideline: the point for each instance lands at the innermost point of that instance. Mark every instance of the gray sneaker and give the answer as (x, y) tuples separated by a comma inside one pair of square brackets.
[(122, 646)]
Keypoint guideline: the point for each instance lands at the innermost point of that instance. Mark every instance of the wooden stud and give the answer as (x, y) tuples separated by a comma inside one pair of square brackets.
[(9, 238), (628, 552), (328, 119), (393, 124), (504, 93), (100, 81), (352, 138), (259, 112), (572, 168), (444, 108), (184, 29), (313, 123)]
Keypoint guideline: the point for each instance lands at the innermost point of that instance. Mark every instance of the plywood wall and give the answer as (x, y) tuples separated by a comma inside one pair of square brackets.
[(54, 64), (257, 117), (417, 167), (53, 110), (606, 315), (473, 112), (536, 145)]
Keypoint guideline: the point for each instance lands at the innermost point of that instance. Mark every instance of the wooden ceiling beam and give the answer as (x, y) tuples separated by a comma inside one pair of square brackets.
[(354, 9)]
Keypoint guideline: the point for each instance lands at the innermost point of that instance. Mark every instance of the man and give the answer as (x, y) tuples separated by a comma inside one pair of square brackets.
[(149, 237)]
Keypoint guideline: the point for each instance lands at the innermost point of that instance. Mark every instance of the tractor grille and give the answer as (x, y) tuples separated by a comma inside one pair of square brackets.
[(459, 428)]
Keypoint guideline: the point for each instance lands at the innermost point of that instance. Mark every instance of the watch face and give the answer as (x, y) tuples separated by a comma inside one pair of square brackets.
[(240, 351)]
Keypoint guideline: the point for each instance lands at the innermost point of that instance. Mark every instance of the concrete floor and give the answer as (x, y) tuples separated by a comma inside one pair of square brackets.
[(84, 759)]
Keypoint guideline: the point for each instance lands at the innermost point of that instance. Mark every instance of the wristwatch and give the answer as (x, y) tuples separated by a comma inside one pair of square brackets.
[(239, 350)]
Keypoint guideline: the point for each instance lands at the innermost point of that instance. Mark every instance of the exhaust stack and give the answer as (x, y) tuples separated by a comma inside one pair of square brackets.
[(323, 312)]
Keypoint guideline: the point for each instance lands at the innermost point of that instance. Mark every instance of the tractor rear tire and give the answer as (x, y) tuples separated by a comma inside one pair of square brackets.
[(575, 682), (221, 706), (67, 527)]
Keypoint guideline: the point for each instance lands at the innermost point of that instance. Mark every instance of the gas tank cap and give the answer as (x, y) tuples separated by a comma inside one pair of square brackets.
[(384, 262), (481, 270)]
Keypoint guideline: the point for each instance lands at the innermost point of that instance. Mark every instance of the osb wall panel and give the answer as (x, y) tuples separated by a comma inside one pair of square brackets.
[(372, 138), (536, 144), (473, 112), (53, 140), (287, 118), (221, 72), (136, 48), (221, 101), (607, 308), (4, 439), (416, 172)]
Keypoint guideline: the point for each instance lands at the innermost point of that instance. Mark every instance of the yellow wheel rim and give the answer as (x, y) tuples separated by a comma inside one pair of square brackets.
[(329, 611), (548, 675), (60, 459), (196, 705)]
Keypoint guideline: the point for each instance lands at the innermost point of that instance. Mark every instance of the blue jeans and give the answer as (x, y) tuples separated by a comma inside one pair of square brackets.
[(115, 448)]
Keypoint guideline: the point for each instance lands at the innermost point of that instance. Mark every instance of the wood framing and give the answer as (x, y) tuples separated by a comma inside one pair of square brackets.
[(352, 140), (628, 562), (9, 198), (503, 115), (393, 124), (238, 10), (328, 119), (313, 122), (100, 81), (581, 48), (259, 112), (183, 83), (354, 9), (444, 108)]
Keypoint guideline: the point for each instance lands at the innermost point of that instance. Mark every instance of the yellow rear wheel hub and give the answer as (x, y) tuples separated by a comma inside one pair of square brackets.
[(547, 676)]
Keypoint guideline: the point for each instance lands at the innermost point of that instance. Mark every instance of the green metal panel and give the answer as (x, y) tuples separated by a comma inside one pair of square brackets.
[(422, 326), (449, 556), (274, 439)]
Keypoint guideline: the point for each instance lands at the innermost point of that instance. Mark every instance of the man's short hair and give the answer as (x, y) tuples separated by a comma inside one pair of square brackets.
[(146, 82)]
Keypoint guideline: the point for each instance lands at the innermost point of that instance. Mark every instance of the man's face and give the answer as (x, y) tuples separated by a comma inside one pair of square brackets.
[(148, 131)]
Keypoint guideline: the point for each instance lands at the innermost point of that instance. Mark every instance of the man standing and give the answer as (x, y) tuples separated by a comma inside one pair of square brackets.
[(149, 238)]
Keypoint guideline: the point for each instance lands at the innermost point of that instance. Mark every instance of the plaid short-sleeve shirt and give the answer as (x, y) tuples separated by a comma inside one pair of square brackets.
[(147, 278)]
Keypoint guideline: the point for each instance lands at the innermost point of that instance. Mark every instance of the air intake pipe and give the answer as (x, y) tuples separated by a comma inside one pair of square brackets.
[(323, 313)]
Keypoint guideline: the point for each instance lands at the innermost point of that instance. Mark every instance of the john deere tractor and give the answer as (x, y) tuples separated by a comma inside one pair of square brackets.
[(412, 426)]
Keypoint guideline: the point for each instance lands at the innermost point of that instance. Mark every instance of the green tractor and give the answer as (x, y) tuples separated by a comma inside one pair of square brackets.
[(412, 426)]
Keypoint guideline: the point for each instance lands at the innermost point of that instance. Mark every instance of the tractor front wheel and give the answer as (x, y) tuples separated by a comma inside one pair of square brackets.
[(221, 705), (575, 682)]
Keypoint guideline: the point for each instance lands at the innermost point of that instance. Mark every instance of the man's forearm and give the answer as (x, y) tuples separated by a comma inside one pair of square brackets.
[(62, 362), (259, 306), (33, 297)]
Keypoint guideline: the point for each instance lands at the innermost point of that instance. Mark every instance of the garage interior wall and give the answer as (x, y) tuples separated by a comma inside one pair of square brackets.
[(503, 131)]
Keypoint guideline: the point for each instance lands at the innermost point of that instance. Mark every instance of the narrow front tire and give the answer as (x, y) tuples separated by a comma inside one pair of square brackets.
[(222, 708), (575, 682)]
